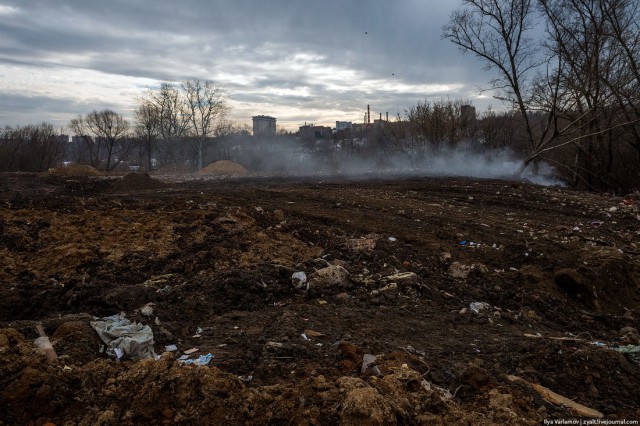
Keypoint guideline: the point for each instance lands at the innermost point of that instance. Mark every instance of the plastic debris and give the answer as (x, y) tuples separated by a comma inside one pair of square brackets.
[(201, 360), (133, 340), (299, 280), (393, 239), (147, 310), (632, 351), (477, 307), (170, 348), (44, 345)]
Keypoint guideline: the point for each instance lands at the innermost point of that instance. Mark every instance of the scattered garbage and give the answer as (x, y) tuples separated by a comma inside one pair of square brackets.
[(477, 307), (393, 239), (190, 351), (201, 360), (402, 278), (299, 280), (330, 276), (147, 310), (459, 270), (44, 345), (170, 348), (132, 340), (313, 333), (632, 351), (368, 365)]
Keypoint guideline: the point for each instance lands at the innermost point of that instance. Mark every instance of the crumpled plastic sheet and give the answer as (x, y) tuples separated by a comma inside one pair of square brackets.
[(201, 360), (632, 351), (124, 339)]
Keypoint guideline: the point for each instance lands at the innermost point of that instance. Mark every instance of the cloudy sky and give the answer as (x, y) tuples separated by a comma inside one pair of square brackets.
[(297, 60)]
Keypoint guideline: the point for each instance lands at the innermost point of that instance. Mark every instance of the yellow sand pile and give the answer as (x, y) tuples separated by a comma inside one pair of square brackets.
[(223, 167), (75, 170)]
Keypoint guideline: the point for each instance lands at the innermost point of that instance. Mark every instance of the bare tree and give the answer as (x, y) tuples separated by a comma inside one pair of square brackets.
[(207, 109), (147, 126), (31, 148), (79, 128), (173, 120), (104, 129), (497, 32)]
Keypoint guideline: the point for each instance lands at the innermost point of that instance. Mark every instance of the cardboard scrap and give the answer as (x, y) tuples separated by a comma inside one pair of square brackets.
[(557, 399), (312, 333), (190, 351)]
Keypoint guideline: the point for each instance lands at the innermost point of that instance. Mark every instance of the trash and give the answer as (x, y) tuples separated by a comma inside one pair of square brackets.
[(190, 351), (170, 348), (313, 333), (477, 307), (304, 336), (44, 345), (368, 361), (133, 339), (393, 239), (557, 399), (147, 310), (274, 344), (199, 330), (632, 351), (183, 357), (119, 353), (458, 270), (366, 243), (328, 277), (201, 360), (299, 280), (402, 278)]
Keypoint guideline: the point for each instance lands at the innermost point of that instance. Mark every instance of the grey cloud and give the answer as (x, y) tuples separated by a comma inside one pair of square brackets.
[(167, 40)]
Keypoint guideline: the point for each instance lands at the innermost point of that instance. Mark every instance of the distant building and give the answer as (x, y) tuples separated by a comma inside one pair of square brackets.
[(343, 125), (468, 115), (264, 125), (311, 132)]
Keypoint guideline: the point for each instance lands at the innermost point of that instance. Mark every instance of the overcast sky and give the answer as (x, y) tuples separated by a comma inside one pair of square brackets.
[(297, 60)]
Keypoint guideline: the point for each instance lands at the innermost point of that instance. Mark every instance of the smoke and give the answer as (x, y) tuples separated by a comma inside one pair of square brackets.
[(358, 161)]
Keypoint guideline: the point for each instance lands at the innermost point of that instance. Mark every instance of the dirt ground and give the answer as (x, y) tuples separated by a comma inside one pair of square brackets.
[(381, 333)]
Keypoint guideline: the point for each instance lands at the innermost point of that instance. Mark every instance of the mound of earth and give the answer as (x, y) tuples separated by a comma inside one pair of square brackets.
[(413, 301), (136, 181), (75, 170), (223, 167)]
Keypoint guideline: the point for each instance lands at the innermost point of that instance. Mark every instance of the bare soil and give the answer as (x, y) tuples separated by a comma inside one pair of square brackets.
[(558, 272)]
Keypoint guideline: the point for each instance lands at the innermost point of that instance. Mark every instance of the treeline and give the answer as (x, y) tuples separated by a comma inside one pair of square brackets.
[(31, 148)]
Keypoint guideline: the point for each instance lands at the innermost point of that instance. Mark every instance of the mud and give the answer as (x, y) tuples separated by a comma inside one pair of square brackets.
[(558, 272)]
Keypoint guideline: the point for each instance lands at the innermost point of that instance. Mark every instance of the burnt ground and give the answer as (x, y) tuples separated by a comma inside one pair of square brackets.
[(218, 254)]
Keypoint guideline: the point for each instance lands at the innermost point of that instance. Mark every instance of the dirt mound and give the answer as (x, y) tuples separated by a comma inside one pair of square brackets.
[(223, 167), (443, 289), (137, 181), (75, 170)]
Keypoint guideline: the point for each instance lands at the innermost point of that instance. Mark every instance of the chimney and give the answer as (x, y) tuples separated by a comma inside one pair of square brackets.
[(368, 115), (380, 116), (387, 115)]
